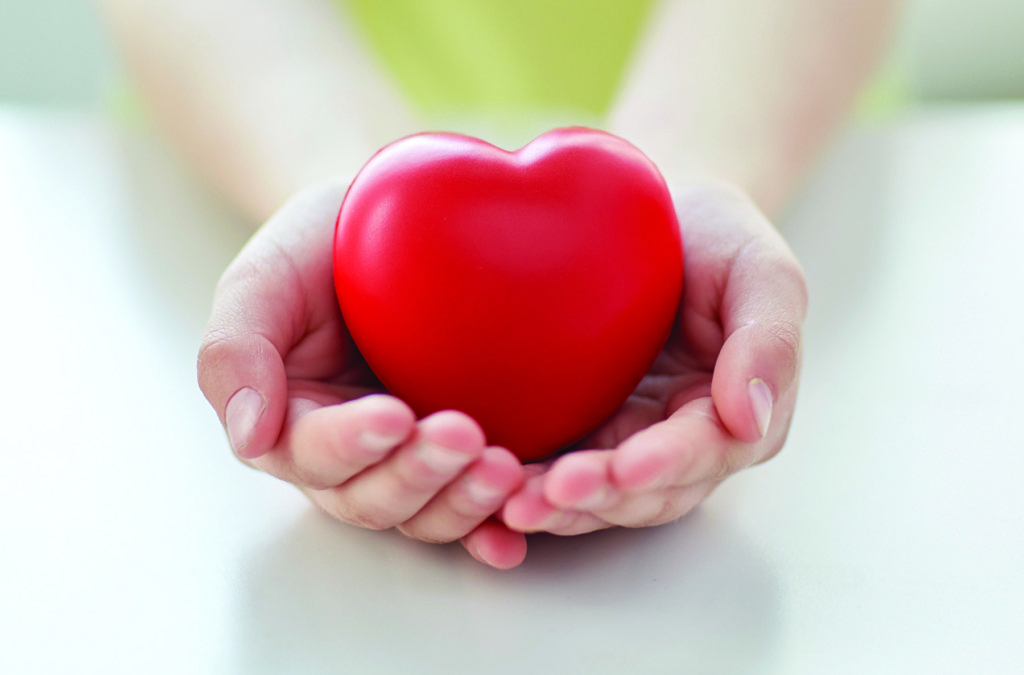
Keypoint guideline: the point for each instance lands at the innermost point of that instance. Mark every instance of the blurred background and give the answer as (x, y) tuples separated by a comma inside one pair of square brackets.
[(53, 53)]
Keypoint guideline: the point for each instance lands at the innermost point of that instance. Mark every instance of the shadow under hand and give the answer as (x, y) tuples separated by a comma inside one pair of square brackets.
[(326, 597)]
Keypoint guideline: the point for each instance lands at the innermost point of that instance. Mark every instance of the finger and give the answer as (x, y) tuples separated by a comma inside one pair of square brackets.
[(243, 378), (528, 510), (260, 311), (763, 310), (392, 491), (689, 447), (657, 507), (331, 444), (470, 500), (582, 481), (494, 544)]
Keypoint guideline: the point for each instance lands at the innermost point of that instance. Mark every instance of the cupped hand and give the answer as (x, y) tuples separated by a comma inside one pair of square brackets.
[(719, 397), (299, 402)]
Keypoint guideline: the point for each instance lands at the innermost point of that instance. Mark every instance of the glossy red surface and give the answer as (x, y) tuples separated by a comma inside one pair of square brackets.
[(530, 289)]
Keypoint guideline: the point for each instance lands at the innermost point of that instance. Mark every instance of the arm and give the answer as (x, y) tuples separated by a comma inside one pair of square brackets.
[(748, 92), (265, 96)]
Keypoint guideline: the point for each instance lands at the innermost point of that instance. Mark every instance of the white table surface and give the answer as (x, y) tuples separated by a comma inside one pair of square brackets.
[(887, 538)]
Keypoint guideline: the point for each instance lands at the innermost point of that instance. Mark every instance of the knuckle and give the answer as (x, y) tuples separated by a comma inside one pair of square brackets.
[(723, 467), (674, 504), (223, 351), (646, 511), (411, 477), (785, 337), (216, 348), (732, 463), (414, 476), (466, 508), (730, 460), (309, 478), (352, 513)]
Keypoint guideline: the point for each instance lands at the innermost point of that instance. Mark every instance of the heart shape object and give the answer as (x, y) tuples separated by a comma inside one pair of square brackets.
[(531, 289)]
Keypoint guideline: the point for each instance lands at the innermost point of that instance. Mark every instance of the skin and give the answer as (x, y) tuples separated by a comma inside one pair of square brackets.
[(719, 398), (764, 86), (299, 402)]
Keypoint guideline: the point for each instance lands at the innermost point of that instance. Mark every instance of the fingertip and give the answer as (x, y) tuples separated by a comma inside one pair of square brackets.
[(454, 430), (384, 416), (755, 366), (243, 378), (496, 545), (500, 468), (577, 479), (639, 464), (528, 510), (252, 423)]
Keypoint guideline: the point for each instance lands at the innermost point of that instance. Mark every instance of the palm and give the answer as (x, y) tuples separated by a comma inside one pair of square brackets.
[(326, 368), (672, 382)]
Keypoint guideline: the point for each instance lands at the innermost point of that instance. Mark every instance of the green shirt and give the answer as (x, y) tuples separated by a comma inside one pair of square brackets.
[(489, 55)]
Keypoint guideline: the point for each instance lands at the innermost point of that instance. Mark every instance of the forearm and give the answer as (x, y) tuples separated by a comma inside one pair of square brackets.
[(748, 91), (264, 96)]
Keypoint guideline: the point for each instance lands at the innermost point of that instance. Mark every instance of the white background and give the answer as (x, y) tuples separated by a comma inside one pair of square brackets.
[(886, 538)]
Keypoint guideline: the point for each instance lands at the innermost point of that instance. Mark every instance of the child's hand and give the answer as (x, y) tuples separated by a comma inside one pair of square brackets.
[(718, 399), (298, 401)]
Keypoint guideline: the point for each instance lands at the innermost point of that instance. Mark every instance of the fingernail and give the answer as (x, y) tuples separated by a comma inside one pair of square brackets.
[(378, 443), (441, 460), (481, 493), (761, 404), (244, 409)]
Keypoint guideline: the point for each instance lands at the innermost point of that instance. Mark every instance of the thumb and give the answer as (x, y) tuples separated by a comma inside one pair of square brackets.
[(242, 375), (763, 309), (260, 311)]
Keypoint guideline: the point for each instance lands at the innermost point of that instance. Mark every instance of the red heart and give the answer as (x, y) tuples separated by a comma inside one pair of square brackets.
[(530, 289)]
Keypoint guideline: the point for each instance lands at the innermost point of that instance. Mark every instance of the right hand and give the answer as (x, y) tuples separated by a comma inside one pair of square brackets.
[(298, 401)]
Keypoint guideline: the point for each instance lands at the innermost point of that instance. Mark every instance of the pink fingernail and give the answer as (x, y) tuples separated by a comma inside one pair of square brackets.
[(761, 403), (442, 460), (481, 493), (243, 412), (378, 443)]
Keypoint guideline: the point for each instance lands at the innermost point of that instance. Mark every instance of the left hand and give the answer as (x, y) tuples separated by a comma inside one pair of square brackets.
[(299, 402), (719, 397)]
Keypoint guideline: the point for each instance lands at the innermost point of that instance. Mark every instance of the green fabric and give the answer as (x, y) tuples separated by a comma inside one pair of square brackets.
[(480, 55)]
